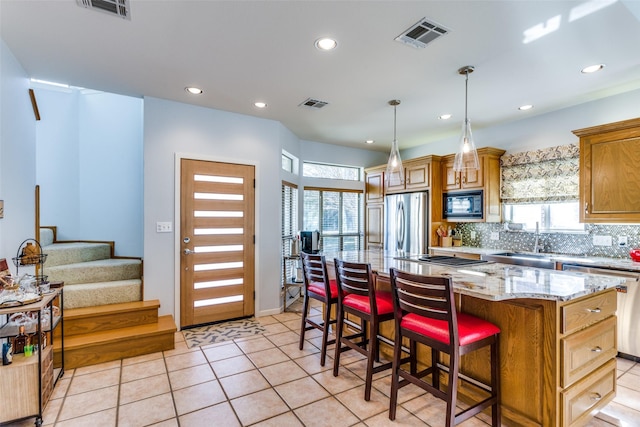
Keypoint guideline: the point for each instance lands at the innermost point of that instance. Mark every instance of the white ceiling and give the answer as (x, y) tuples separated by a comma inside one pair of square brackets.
[(242, 51)]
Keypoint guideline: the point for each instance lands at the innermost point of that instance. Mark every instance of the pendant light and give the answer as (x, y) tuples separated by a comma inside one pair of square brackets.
[(467, 155), (394, 165)]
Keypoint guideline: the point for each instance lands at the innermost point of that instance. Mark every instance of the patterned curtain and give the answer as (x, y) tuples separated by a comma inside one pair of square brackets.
[(540, 176)]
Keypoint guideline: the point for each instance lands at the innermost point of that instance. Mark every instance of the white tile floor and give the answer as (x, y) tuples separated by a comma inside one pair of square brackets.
[(262, 381)]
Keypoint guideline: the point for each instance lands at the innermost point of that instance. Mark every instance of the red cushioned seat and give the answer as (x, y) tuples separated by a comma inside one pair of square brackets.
[(426, 314), (470, 328), (361, 302), (319, 289)]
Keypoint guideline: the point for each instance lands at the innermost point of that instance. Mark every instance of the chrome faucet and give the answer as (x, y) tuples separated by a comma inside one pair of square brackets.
[(536, 246)]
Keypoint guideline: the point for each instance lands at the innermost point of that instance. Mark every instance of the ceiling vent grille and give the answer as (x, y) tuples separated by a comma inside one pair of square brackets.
[(422, 33), (113, 7), (313, 103)]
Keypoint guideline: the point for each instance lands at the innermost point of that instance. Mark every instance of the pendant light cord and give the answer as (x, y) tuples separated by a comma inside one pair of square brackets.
[(466, 95)]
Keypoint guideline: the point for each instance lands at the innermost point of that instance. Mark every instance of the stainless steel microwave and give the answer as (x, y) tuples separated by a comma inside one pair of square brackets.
[(467, 205)]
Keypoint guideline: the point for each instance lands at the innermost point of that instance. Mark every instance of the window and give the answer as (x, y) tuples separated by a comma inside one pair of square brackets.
[(289, 219), (290, 163), (542, 186), (551, 217), (337, 215), (321, 170)]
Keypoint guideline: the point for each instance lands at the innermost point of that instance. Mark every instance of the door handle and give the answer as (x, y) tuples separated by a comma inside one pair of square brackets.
[(188, 252)]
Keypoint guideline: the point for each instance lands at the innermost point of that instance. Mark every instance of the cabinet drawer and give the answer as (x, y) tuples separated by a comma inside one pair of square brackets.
[(587, 349), (587, 311), (588, 395)]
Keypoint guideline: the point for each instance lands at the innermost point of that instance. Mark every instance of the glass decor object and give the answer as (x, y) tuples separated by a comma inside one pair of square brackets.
[(467, 155), (394, 165)]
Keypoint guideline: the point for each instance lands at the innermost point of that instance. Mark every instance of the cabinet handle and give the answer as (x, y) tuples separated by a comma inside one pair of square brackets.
[(597, 349), (586, 207), (464, 179), (457, 180), (596, 396), (188, 252), (594, 310)]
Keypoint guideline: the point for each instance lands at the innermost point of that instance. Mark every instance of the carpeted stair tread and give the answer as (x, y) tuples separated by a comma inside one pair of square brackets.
[(102, 293), (96, 271), (75, 252)]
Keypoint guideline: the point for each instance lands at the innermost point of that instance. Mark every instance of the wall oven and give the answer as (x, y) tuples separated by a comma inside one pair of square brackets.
[(466, 205)]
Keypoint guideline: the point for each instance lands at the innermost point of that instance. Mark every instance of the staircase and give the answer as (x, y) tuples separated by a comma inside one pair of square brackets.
[(105, 317), (110, 332)]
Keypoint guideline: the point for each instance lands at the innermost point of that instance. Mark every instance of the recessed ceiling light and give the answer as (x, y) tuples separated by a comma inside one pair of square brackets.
[(193, 90), (445, 117), (525, 107), (592, 68), (260, 104), (326, 43), (369, 141)]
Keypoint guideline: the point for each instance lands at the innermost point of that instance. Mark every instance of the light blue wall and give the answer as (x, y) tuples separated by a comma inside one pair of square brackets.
[(89, 157), (57, 160), (541, 131), (172, 129), (17, 157), (111, 188)]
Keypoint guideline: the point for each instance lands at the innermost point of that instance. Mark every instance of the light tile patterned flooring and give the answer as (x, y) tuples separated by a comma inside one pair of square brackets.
[(261, 381)]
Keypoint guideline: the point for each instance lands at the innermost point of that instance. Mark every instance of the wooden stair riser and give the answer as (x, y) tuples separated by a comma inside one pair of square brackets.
[(87, 326), (100, 353), (78, 322), (99, 347)]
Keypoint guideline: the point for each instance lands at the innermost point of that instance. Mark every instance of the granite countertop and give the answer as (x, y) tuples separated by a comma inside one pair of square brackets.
[(596, 262), (492, 281)]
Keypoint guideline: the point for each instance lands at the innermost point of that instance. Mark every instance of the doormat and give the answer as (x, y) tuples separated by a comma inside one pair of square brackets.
[(225, 331)]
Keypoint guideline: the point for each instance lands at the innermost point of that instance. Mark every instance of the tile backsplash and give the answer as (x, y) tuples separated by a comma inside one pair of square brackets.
[(561, 243)]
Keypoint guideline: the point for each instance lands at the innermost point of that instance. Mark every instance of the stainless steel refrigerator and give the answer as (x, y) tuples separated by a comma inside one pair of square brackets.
[(405, 229)]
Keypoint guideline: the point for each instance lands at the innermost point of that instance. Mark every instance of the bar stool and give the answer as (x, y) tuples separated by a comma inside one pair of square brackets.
[(426, 314), (318, 286), (357, 296)]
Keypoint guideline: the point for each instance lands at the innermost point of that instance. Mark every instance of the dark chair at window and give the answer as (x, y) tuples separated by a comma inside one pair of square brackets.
[(318, 286), (426, 314), (359, 298)]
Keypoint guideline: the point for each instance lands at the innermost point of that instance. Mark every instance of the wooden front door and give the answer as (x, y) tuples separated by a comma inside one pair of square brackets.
[(217, 259)]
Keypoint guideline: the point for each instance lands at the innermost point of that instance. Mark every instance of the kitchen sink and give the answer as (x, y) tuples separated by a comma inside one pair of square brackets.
[(524, 259)]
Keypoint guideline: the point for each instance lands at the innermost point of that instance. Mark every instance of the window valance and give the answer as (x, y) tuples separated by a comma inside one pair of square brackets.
[(545, 175)]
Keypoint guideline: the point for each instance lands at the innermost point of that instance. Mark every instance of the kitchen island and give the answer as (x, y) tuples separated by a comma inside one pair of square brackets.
[(558, 339)]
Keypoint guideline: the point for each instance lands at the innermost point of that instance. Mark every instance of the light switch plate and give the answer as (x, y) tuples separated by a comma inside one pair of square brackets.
[(622, 241), (164, 227), (602, 241), (495, 235), (473, 235)]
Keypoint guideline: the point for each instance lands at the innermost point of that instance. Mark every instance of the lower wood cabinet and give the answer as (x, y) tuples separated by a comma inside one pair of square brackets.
[(588, 395)]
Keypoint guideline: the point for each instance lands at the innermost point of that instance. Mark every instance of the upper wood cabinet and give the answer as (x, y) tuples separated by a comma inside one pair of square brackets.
[(609, 177), (374, 185), (471, 178), (417, 177)]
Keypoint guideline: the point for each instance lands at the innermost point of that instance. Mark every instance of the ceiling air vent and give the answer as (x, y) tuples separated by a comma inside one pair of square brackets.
[(113, 7), (312, 103), (422, 33)]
